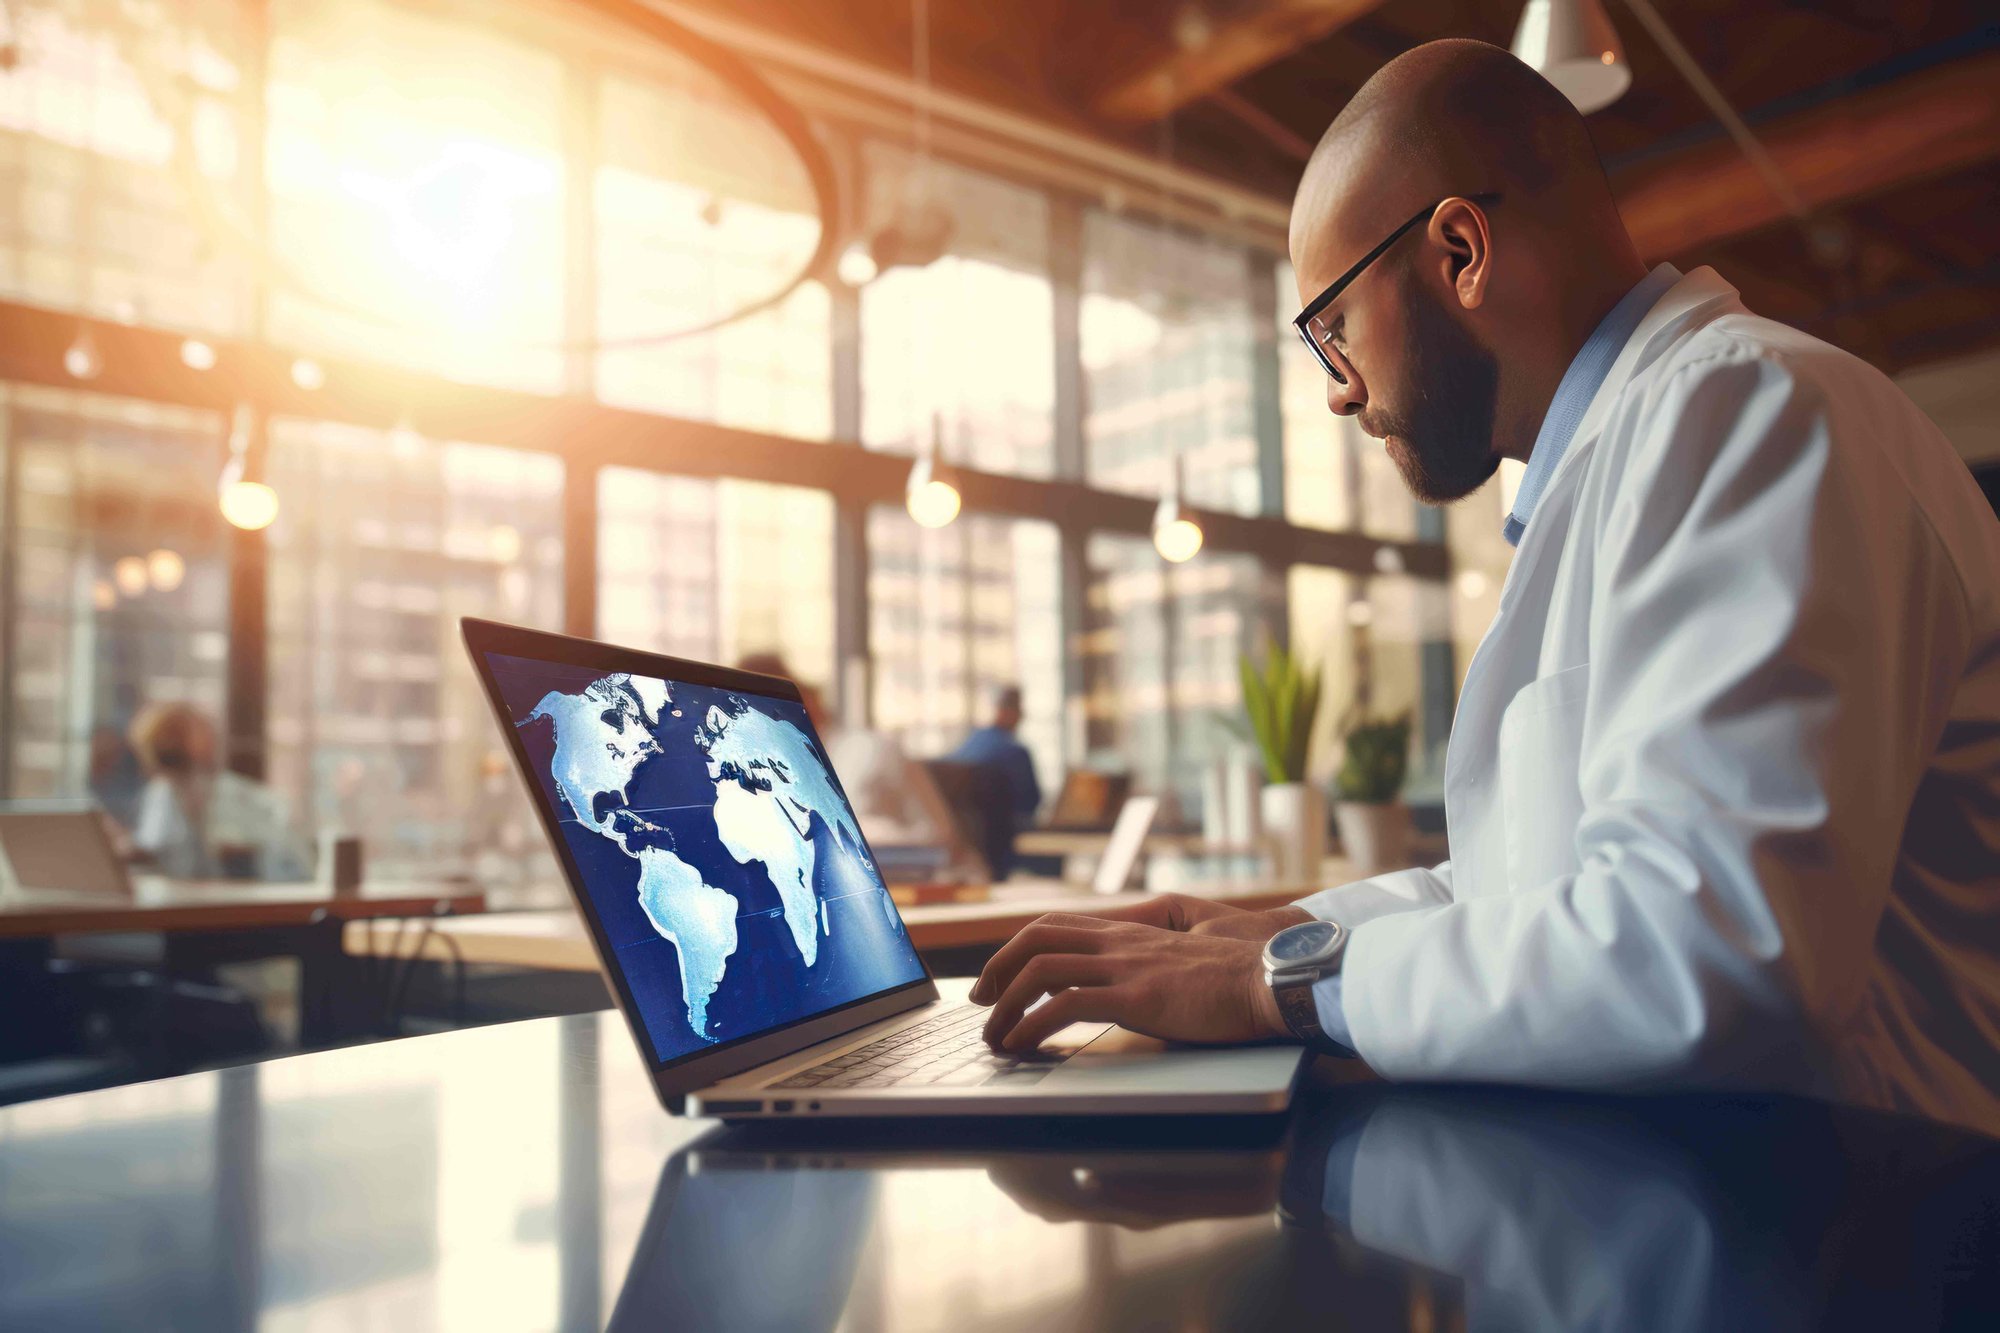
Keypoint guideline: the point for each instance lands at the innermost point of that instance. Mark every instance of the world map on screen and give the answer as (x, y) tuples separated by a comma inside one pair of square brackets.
[(716, 846)]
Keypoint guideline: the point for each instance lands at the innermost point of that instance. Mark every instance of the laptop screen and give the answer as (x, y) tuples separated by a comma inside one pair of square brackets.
[(715, 846)]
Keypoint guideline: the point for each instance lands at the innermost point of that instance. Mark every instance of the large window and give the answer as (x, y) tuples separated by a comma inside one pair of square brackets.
[(699, 209), (968, 340), (1379, 640), (114, 560), (523, 196), (1167, 342), (376, 721), (954, 613), (716, 570), (104, 102), (1160, 653)]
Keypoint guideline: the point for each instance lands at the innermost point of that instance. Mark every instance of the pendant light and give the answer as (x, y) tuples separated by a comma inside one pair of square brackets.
[(1175, 536), (1572, 44), (249, 505), (931, 499)]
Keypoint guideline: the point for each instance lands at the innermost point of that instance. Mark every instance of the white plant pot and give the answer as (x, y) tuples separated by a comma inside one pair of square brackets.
[(1295, 825), (1375, 837)]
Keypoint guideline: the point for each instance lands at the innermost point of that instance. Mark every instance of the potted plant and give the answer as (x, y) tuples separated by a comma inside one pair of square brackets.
[(1282, 702), (1374, 823)]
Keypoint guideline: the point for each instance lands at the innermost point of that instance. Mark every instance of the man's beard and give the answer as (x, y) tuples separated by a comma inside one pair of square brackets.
[(1443, 444)]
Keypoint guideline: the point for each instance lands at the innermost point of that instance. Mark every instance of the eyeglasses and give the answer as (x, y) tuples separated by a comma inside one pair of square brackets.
[(1307, 320)]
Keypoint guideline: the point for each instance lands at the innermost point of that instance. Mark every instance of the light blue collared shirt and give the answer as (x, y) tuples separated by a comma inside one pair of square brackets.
[(1579, 386)]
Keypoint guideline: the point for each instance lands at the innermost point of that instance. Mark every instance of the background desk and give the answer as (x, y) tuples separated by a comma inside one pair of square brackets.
[(115, 985), (523, 1177)]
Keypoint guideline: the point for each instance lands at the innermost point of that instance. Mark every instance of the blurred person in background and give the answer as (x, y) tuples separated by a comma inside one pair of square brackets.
[(198, 820), (996, 745)]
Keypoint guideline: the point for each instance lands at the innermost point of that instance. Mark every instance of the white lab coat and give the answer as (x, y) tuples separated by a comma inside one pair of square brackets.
[(1723, 789)]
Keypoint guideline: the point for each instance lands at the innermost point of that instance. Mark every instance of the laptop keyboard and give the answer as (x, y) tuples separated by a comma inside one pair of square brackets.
[(946, 1051)]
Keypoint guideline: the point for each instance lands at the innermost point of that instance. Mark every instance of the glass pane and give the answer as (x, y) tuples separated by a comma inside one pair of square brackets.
[(1372, 635), (1166, 344), (91, 117), (1336, 476), (969, 337), (121, 581), (1160, 659), (376, 723), (416, 190), (955, 612), (701, 208), (716, 570)]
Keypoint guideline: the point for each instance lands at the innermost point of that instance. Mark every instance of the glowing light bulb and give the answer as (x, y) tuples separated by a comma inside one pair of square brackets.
[(1175, 536), (250, 505), (857, 267), (102, 595), (1472, 584), (933, 504), (1177, 540), (165, 569), (1388, 560), (932, 501), (197, 355), (308, 374), (129, 575), (83, 361)]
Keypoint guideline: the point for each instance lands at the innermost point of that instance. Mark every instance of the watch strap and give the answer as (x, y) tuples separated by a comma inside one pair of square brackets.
[(1298, 1006)]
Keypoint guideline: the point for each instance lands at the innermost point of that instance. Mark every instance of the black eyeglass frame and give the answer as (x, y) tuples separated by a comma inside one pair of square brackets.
[(1302, 320)]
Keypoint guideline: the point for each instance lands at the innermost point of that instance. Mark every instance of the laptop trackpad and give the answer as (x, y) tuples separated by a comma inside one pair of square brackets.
[(1118, 1061)]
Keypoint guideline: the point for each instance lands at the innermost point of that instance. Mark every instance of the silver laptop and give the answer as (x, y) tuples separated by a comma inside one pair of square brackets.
[(744, 927), (65, 849)]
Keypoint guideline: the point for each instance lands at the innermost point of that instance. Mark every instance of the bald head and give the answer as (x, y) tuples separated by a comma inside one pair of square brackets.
[(1453, 117), (1500, 249)]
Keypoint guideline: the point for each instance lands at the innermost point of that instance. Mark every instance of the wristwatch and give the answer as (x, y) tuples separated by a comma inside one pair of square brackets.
[(1295, 958)]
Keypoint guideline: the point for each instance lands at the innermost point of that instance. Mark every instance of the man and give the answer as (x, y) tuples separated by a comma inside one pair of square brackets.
[(1723, 790), (996, 746)]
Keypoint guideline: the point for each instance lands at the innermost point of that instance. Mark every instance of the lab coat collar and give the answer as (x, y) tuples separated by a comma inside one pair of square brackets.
[(1695, 299)]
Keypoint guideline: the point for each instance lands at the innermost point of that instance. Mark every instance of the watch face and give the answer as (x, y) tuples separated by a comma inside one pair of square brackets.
[(1303, 943)]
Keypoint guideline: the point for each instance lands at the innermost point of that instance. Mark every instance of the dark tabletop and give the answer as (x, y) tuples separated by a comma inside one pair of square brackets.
[(523, 1177)]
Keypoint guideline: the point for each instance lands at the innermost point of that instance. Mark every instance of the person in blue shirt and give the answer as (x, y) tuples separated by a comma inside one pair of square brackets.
[(996, 745)]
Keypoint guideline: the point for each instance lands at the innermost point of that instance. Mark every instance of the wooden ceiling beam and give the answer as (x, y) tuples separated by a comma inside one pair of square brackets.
[(1942, 120), (1215, 50)]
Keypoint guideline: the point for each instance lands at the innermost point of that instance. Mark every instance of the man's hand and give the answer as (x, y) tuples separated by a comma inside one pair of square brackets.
[(1258, 926), (1166, 983), (1205, 916)]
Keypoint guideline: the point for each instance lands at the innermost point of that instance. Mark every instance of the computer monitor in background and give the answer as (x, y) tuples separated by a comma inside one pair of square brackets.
[(1090, 799)]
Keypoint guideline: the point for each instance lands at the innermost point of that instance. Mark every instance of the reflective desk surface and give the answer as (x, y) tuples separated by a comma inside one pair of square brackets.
[(523, 1177)]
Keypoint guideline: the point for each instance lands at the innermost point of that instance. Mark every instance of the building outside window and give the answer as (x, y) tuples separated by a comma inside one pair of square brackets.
[(377, 724), (954, 613), (716, 570), (114, 554), (1166, 343), (103, 103)]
